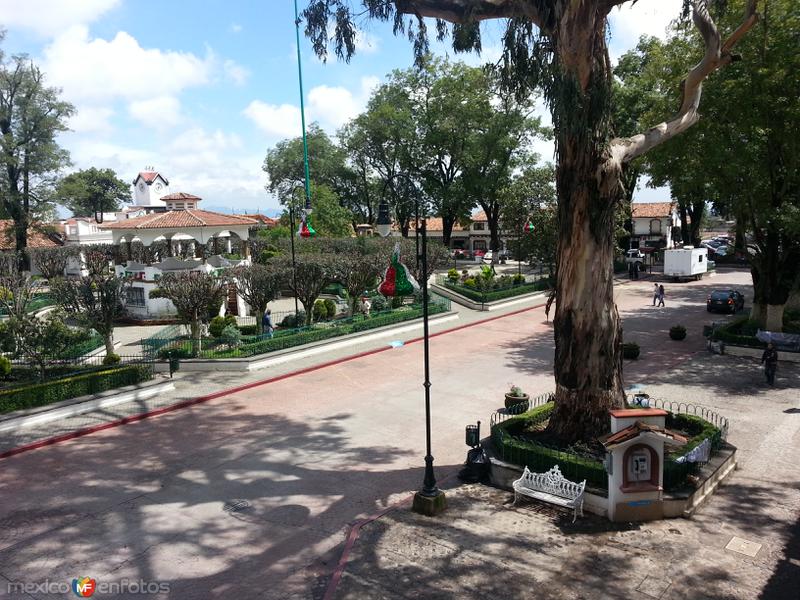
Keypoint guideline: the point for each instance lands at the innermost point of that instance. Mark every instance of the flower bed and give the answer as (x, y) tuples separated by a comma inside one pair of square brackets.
[(492, 295), (515, 442), (55, 390)]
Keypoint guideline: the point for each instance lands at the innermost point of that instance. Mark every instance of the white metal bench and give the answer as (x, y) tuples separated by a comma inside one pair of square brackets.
[(551, 487)]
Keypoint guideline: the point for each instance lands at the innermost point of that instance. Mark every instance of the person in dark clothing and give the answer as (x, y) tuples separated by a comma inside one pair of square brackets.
[(770, 361), (266, 323), (661, 295)]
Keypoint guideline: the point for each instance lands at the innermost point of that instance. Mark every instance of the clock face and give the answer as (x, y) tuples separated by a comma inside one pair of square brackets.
[(141, 186), (158, 187)]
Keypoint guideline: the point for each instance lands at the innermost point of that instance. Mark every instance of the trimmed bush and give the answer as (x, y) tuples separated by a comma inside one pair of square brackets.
[(452, 275), (178, 350), (540, 458), (218, 324), (111, 359), (518, 279), (41, 394), (290, 322), (248, 330), (631, 350), (231, 336), (677, 332), (5, 367), (379, 303), (330, 307), (320, 311)]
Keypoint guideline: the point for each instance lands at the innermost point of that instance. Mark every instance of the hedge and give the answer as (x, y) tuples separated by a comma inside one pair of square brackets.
[(541, 458), (731, 334), (492, 295), (282, 341), (41, 394)]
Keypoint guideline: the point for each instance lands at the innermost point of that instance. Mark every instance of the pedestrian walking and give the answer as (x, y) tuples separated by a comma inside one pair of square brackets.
[(266, 323), (655, 293), (661, 295), (366, 305), (770, 361)]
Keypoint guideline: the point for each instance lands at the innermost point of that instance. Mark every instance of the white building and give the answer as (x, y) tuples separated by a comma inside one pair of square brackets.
[(149, 188), (652, 224)]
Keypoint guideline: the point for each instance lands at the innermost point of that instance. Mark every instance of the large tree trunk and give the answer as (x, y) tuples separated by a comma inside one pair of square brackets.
[(108, 339), (588, 335), (774, 320)]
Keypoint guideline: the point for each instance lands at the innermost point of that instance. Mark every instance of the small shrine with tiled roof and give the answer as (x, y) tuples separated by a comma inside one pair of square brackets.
[(634, 462)]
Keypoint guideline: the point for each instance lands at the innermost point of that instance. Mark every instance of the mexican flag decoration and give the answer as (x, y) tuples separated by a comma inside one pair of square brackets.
[(306, 230), (528, 227), (397, 280)]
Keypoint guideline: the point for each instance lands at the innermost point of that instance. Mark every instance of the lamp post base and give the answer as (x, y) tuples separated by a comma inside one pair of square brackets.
[(430, 506)]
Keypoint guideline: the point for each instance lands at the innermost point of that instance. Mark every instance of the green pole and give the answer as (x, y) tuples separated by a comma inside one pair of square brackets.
[(302, 108)]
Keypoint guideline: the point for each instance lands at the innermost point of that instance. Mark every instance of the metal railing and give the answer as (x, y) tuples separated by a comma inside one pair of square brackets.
[(25, 371), (696, 410)]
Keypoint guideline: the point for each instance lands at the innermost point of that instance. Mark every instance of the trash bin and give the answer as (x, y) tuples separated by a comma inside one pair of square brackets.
[(473, 435), (174, 362)]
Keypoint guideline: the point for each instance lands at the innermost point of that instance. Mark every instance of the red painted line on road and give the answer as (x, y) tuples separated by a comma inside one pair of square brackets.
[(78, 433)]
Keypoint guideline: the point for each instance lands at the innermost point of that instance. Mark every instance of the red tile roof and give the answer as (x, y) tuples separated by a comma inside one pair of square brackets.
[(432, 224), (180, 196), (624, 413), (633, 431), (646, 210), (263, 219), (479, 217), (181, 219), (36, 239), (149, 177)]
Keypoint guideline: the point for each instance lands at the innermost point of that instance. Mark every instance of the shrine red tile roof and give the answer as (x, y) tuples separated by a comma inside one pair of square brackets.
[(646, 210), (36, 239), (633, 431), (624, 413), (181, 219)]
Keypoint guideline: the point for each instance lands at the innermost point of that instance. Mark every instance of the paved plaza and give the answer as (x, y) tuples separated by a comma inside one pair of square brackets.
[(250, 495)]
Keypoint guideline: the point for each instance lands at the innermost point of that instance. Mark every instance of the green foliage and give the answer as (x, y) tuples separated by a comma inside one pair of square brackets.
[(293, 321), (320, 310), (177, 350), (472, 290), (518, 279), (5, 367), (218, 324), (677, 332), (111, 359), (698, 430), (330, 308), (231, 336), (541, 458), (631, 350), (90, 190), (739, 333), (452, 275), (41, 394), (379, 303)]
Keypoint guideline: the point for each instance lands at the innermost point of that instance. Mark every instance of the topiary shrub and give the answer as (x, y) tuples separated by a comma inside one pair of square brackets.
[(231, 336), (397, 301), (5, 367), (217, 324), (630, 350), (320, 311), (677, 332), (379, 303), (518, 279), (111, 359), (330, 306), (452, 275), (470, 283), (292, 322)]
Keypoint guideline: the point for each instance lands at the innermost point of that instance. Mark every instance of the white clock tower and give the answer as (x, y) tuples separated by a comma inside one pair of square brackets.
[(149, 187)]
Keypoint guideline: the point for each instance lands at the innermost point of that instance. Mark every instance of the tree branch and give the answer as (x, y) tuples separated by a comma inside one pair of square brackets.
[(469, 11), (717, 55)]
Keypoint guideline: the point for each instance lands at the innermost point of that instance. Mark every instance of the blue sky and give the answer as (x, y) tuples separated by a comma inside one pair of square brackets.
[(200, 90)]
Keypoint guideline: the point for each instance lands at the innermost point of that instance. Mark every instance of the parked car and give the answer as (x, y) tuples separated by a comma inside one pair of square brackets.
[(730, 301), (478, 253), (489, 256)]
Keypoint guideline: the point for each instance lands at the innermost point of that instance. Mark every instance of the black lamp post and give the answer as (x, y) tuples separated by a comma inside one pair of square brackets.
[(291, 243), (429, 500)]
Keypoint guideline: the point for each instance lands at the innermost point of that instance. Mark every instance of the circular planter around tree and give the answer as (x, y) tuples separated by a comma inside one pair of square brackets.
[(512, 400)]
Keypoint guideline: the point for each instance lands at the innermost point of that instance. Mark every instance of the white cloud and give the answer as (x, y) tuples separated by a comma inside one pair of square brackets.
[(49, 17), (96, 69), (629, 22), (276, 121), (366, 43), (235, 72), (158, 112), (92, 120), (334, 106), (235, 28)]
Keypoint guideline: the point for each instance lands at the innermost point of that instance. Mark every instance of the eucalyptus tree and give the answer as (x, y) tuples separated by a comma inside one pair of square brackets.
[(560, 46)]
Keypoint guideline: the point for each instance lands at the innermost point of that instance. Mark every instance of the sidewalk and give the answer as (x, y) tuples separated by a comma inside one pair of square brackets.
[(743, 545)]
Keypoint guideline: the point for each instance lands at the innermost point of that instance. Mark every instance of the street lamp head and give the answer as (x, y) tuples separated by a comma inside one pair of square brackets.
[(384, 222)]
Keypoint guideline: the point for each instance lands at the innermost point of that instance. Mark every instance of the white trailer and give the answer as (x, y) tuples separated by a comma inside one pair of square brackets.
[(686, 263)]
